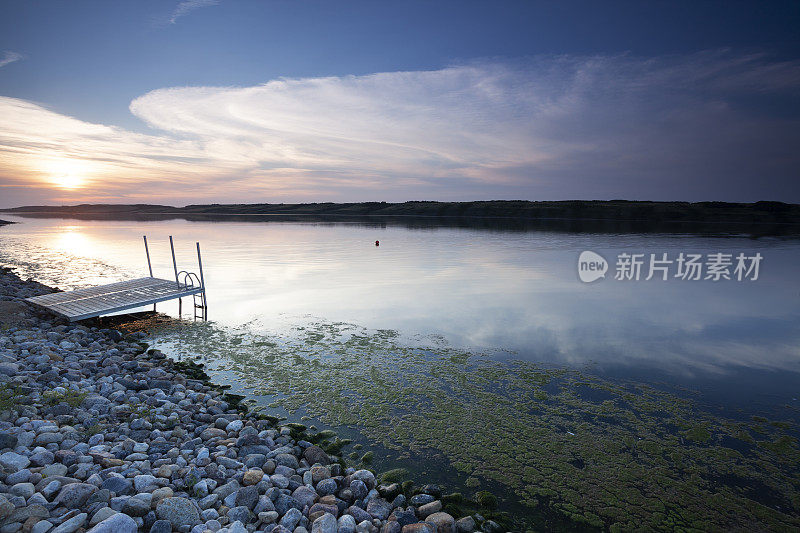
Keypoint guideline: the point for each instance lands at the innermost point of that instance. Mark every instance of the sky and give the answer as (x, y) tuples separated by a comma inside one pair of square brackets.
[(223, 101)]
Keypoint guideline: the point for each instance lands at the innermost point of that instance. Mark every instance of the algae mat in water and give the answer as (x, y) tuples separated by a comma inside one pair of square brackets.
[(600, 453)]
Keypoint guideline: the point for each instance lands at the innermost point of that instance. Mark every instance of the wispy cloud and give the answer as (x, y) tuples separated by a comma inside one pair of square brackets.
[(10, 57), (187, 6), (706, 126)]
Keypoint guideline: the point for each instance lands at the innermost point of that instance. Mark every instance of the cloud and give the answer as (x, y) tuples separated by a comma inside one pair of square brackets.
[(187, 6), (713, 125), (10, 57)]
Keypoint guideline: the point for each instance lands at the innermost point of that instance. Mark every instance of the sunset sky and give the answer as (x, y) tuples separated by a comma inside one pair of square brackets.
[(206, 101)]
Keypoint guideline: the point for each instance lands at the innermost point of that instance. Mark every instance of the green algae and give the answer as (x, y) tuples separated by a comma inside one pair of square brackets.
[(574, 448)]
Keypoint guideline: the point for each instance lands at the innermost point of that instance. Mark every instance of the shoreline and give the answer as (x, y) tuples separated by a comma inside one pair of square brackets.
[(100, 433)]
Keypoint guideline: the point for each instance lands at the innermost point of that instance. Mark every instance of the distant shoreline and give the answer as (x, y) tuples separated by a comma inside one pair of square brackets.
[(758, 218)]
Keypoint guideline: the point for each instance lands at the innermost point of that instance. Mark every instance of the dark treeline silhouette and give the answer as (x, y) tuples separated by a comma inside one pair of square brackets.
[(616, 216)]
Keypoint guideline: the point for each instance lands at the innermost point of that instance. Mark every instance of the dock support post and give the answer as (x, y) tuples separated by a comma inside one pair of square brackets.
[(202, 283), (149, 265), (174, 264), (147, 252)]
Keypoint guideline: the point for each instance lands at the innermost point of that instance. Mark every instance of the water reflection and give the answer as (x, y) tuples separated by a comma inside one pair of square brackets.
[(512, 291)]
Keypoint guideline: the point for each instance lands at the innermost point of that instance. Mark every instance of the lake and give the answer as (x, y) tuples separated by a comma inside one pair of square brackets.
[(477, 358)]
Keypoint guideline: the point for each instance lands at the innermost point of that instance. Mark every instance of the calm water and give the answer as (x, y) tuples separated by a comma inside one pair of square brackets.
[(506, 295)]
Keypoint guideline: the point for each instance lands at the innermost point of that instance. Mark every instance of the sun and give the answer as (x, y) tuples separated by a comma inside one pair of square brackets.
[(68, 181), (67, 174)]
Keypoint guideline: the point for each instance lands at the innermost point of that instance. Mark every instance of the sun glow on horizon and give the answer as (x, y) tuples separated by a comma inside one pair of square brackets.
[(67, 174)]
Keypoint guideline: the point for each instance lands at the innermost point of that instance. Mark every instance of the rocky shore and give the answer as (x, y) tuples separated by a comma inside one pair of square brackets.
[(100, 434)]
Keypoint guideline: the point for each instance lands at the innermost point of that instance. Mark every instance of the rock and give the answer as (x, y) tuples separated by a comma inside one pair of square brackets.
[(13, 461), (346, 524), (74, 495), (359, 514), (327, 486), (315, 454), (253, 476), (145, 483), (283, 502), (44, 439), (305, 495), (136, 507), (25, 490), (161, 526), (325, 524), (247, 496), (7, 440), (429, 508), (389, 491), (405, 516), (9, 369), (42, 527), (318, 473), (433, 490), (42, 458), (322, 508), (490, 526), (366, 476), (116, 523), (391, 527), (359, 489), (118, 485), (465, 525), (234, 426), (241, 513), (419, 527), (178, 511), (287, 459), (444, 522), (6, 507), (101, 514), (55, 469), (292, 518), (379, 508), (418, 500), (237, 527), (71, 525)]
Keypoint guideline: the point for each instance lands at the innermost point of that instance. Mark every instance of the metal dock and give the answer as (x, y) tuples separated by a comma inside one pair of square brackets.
[(124, 295)]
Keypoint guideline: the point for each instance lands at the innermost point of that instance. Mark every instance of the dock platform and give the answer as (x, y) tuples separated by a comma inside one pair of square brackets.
[(121, 296), (114, 297)]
